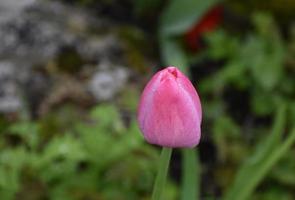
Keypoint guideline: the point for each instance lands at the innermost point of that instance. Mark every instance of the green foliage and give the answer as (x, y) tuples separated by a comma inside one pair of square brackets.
[(262, 160), (257, 60), (284, 171), (255, 66), (95, 158)]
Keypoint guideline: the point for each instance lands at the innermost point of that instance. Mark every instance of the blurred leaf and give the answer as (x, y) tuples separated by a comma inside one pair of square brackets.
[(214, 109), (131, 140), (173, 54), (11, 163), (233, 72), (60, 157), (273, 193), (266, 51), (261, 103), (221, 45), (107, 116), (95, 140), (253, 174), (180, 15), (259, 57), (266, 146), (267, 65), (227, 137), (292, 111), (66, 147), (7, 194), (225, 126), (28, 131), (265, 25), (284, 171), (267, 153)]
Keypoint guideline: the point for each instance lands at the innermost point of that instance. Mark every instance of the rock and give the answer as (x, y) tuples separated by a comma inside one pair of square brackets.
[(106, 47), (106, 82), (60, 39), (37, 87), (38, 32), (11, 8), (10, 100)]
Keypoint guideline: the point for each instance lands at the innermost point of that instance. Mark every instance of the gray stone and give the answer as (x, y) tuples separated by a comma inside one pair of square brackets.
[(11, 8), (107, 81), (10, 100), (34, 33)]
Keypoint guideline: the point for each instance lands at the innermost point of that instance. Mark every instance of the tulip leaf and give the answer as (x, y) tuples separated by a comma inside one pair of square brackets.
[(264, 158), (173, 54), (266, 146), (180, 15)]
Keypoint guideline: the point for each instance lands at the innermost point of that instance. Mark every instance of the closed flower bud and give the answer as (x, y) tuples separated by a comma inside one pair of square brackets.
[(169, 112)]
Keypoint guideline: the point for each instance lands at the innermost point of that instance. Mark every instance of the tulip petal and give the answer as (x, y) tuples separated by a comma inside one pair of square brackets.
[(169, 111)]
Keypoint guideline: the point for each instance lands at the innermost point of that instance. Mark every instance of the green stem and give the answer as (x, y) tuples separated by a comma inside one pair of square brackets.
[(162, 173), (190, 175)]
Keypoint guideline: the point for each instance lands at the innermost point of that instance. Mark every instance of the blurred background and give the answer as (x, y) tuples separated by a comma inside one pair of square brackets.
[(71, 72)]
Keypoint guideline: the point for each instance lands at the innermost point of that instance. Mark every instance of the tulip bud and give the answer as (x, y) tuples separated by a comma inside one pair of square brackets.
[(169, 112)]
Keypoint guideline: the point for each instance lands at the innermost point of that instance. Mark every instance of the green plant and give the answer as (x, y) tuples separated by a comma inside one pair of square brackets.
[(95, 158)]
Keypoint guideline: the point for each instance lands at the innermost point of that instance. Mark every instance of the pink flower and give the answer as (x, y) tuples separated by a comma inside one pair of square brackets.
[(169, 112)]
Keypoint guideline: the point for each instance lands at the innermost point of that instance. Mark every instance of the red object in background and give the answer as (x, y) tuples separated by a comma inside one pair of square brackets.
[(209, 22)]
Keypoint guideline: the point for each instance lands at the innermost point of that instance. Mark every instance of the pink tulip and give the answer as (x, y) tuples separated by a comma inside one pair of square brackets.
[(169, 112)]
